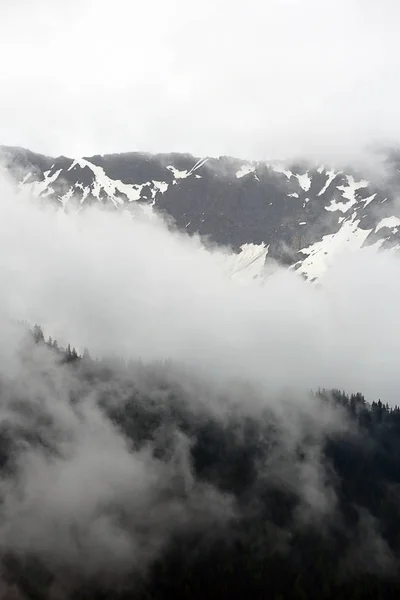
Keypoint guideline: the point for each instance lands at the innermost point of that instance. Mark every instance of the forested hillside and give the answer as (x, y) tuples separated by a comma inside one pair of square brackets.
[(143, 481)]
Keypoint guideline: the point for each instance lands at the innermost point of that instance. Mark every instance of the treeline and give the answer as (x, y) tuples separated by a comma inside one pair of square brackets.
[(66, 355), (318, 518)]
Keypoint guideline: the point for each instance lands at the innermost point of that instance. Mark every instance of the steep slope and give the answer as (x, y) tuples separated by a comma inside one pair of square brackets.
[(300, 215)]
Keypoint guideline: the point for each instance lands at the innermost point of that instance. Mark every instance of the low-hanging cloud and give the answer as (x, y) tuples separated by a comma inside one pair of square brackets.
[(80, 495), (129, 286), (263, 79), (75, 493)]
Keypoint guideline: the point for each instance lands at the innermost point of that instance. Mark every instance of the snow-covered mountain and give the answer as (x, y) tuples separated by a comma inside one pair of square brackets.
[(303, 216)]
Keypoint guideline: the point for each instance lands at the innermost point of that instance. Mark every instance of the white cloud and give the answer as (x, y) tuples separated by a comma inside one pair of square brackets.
[(255, 79), (113, 284)]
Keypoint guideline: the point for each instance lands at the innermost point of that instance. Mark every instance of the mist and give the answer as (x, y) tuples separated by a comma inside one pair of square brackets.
[(272, 79), (130, 285), (80, 493), (192, 428)]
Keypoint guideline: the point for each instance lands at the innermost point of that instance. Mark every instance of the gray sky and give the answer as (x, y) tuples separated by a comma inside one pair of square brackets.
[(257, 79)]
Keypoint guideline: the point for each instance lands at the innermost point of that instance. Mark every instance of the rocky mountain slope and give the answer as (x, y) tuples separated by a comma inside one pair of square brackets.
[(303, 216)]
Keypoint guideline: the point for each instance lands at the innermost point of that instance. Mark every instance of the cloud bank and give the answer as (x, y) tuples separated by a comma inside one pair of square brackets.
[(129, 285), (262, 79), (78, 492)]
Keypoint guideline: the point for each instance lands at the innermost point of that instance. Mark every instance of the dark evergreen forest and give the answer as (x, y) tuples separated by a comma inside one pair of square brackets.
[(244, 512)]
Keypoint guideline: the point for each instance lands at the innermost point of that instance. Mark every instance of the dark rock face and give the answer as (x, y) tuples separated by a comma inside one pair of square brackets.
[(290, 208)]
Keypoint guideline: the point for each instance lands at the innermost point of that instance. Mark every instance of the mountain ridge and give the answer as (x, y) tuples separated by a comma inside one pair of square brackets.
[(300, 215)]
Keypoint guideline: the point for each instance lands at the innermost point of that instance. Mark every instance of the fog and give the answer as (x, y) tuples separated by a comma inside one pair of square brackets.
[(131, 286), (276, 79), (81, 497), (78, 496), (258, 80)]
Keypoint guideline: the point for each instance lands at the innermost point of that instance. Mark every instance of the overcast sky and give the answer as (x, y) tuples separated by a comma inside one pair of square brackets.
[(256, 79)]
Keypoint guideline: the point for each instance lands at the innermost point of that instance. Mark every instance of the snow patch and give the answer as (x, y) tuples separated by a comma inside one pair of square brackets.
[(245, 170), (247, 265), (113, 187), (176, 173), (349, 193), (197, 165), (389, 222), (369, 199), (37, 188), (331, 176), (162, 186), (25, 179), (321, 255), (304, 181), (110, 186), (64, 199), (281, 169)]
